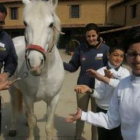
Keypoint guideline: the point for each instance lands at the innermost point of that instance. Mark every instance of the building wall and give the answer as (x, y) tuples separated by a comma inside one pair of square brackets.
[(18, 22), (129, 20), (119, 16), (114, 16), (90, 11)]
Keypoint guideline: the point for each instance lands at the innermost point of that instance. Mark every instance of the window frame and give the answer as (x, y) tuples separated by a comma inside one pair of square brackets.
[(72, 12), (14, 14), (133, 10)]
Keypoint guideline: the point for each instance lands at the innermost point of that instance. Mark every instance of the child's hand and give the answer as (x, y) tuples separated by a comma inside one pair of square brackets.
[(75, 116), (94, 73), (5, 85), (108, 74), (82, 89)]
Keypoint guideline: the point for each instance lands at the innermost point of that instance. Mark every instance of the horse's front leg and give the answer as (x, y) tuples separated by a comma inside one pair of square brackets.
[(30, 118), (16, 106), (52, 104)]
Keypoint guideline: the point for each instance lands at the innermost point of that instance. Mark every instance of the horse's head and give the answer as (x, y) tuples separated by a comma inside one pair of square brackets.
[(41, 35)]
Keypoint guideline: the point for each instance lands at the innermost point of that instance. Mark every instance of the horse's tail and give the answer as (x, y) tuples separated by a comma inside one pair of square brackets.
[(16, 99)]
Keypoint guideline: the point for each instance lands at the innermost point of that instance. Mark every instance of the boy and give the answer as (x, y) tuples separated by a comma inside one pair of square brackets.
[(107, 78), (125, 103)]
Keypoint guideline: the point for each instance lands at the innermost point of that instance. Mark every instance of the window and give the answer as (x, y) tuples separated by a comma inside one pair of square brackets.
[(134, 11), (74, 11), (14, 13)]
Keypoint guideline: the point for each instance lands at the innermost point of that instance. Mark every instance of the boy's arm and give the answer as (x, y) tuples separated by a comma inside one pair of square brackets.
[(100, 83), (98, 76), (98, 93), (83, 89), (75, 116), (108, 78), (109, 120), (115, 81)]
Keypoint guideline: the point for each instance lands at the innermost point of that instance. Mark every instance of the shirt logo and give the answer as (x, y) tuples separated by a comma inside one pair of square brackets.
[(83, 58), (99, 56), (2, 47)]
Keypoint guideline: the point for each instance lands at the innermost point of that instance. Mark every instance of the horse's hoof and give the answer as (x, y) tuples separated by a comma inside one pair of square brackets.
[(12, 133)]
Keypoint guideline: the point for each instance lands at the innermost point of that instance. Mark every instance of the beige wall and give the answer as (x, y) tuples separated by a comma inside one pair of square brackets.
[(90, 11), (10, 22)]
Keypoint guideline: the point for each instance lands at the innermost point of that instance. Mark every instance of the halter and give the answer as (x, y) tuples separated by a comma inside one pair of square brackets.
[(40, 49)]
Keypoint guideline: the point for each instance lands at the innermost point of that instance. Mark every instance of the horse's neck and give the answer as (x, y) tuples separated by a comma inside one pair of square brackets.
[(54, 55), (53, 60)]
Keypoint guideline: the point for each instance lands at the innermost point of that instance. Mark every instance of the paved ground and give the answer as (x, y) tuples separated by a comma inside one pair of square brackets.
[(67, 104)]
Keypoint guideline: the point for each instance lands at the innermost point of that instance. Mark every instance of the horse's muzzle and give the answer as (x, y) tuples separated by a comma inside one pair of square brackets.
[(35, 71)]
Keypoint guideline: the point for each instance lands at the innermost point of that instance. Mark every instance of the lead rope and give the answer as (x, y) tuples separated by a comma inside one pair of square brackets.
[(52, 44), (2, 103), (58, 30), (2, 100), (22, 76)]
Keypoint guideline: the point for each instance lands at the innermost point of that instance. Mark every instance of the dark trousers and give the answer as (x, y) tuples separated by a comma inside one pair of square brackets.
[(0, 115), (105, 134)]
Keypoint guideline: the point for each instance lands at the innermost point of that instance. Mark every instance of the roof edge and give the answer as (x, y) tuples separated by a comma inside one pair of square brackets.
[(119, 29)]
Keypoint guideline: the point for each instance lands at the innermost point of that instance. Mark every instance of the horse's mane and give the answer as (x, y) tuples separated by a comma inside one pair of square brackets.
[(44, 5), (58, 26)]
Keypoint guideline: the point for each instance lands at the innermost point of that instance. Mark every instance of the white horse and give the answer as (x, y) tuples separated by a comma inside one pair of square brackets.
[(42, 61)]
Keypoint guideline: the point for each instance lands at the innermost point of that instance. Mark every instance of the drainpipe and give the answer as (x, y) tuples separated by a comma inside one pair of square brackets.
[(105, 11), (125, 11)]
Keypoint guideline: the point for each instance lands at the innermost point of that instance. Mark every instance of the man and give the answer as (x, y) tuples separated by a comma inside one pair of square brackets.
[(8, 57)]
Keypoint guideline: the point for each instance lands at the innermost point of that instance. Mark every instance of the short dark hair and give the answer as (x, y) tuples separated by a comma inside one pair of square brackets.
[(92, 26), (131, 36), (117, 47), (3, 9)]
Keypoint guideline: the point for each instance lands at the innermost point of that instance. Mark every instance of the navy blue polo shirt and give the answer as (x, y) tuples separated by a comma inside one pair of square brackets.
[(8, 56), (87, 58)]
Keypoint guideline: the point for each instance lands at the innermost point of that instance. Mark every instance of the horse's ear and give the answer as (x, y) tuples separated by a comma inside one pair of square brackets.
[(54, 3), (26, 1)]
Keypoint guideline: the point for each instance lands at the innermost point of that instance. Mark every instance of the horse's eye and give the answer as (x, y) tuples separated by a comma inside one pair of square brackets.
[(25, 23), (51, 25)]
